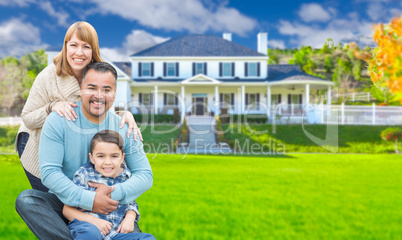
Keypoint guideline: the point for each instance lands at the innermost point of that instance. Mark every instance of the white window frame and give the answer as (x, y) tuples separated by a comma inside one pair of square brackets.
[(202, 68)]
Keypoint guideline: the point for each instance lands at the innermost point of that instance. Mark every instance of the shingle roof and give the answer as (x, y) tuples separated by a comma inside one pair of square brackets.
[(286, 72), (124, 66), (198, 46)]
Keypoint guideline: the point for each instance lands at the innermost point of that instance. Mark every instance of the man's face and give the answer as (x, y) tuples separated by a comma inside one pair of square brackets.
[(97, 93)]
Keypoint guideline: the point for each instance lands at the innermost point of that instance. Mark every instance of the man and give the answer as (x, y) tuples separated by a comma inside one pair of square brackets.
[(64, 147)]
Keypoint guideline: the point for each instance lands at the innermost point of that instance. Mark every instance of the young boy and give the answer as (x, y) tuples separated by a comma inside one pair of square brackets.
[(106, 167)]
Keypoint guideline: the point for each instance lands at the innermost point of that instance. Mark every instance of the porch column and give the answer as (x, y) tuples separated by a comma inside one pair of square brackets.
[(329, 96), (269, 101), (307, 95), (156, 100), (216, 100), (183, 105), (243, 99)]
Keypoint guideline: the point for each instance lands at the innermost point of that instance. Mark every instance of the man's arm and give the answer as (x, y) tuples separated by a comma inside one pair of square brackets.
[(51, 156), (141, 174)]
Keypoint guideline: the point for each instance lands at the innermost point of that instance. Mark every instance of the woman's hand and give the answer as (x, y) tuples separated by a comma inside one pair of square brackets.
[(127, 117), (65, 109)]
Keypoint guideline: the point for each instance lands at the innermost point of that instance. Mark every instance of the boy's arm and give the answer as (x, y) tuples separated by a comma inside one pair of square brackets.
[(72, 213), (141, 174)]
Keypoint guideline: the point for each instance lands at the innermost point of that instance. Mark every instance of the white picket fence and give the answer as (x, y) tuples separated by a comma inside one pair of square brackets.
[(4, 121), (354, 115)]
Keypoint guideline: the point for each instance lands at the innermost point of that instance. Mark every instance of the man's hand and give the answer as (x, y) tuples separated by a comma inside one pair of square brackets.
[(103, 204)]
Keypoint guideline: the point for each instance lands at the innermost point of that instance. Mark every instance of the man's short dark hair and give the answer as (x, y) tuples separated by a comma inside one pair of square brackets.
[(108, 136), (102, 67)]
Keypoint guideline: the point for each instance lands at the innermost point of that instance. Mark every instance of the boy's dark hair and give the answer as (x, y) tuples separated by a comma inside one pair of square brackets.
[(108, 136), (102, 67)]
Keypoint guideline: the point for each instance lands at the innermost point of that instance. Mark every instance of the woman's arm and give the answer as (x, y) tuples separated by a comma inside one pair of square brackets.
[(72, 213), (34, 112)]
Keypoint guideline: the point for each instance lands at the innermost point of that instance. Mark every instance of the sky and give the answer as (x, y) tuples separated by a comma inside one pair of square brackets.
[(125, 27)]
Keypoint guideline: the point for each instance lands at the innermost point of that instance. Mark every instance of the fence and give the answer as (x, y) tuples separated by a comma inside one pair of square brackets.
[(10, 121), (355, 115)]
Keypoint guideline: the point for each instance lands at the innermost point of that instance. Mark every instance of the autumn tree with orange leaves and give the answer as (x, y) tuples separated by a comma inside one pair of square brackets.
[(385, 65)]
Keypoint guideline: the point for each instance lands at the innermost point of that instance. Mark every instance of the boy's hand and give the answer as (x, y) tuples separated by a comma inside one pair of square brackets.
[(103, 225), (127, 225)]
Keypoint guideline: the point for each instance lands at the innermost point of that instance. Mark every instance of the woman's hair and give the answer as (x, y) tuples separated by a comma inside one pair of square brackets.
[(84, 32), (108, 136)]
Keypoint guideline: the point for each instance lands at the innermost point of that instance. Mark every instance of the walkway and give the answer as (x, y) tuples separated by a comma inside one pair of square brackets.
[(202, 137)]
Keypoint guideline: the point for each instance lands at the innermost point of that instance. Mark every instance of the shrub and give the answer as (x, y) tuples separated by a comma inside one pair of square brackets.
[(249, 118), (392, 134), (158, 118)]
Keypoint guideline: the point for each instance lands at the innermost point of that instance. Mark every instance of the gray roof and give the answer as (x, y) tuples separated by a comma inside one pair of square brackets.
[(287, 72), (124, 66), (198, 46)]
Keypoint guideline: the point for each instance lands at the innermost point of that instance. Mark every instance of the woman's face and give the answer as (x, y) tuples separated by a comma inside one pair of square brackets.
[(79, 55)]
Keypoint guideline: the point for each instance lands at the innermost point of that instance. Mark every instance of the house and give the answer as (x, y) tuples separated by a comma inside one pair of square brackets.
[(200, 74)]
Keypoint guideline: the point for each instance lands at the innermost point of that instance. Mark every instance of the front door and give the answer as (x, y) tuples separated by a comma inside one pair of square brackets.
[(199, 106)]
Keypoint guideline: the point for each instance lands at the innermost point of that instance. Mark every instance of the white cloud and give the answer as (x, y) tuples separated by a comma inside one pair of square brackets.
[(19, 3), (340, 30), (314, 12), (178, 15), (136, 41), (60, 15), (276, 44), (18, 38)]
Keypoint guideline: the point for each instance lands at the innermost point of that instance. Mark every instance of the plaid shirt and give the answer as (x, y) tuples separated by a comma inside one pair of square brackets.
[(87, 173)]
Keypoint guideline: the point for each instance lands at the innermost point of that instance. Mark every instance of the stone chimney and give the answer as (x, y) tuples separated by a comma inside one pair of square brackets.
[(262, 46), (227, 36)]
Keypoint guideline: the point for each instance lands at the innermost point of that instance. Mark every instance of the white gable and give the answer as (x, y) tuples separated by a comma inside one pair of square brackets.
[(200, 79)]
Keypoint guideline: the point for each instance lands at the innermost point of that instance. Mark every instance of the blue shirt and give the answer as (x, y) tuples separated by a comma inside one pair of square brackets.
[(64, 147), (87, 173)]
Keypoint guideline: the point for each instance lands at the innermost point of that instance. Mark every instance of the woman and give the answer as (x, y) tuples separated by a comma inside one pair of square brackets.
[(56, 89)]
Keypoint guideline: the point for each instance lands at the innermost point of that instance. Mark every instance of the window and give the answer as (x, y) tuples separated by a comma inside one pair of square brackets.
[(252, 69), (253, 100), (227, 69), (145, 69), (226, 99), (199, 68), (169, 99), (146, 99), (171, 69), (275, 99)]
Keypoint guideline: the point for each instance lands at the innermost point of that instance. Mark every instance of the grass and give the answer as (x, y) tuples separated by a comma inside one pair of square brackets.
[(351, 139), (301, 196)]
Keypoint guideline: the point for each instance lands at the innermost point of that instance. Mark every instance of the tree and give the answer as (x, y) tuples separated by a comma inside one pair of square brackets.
[(392, 134), (385, 65), (17, 77)]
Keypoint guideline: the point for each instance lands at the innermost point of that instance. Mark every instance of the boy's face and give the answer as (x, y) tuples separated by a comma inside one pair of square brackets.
[(107, 159)]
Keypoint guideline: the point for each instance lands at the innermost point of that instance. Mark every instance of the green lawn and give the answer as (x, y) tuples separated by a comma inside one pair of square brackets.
[(301, 196), (292, 138)]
